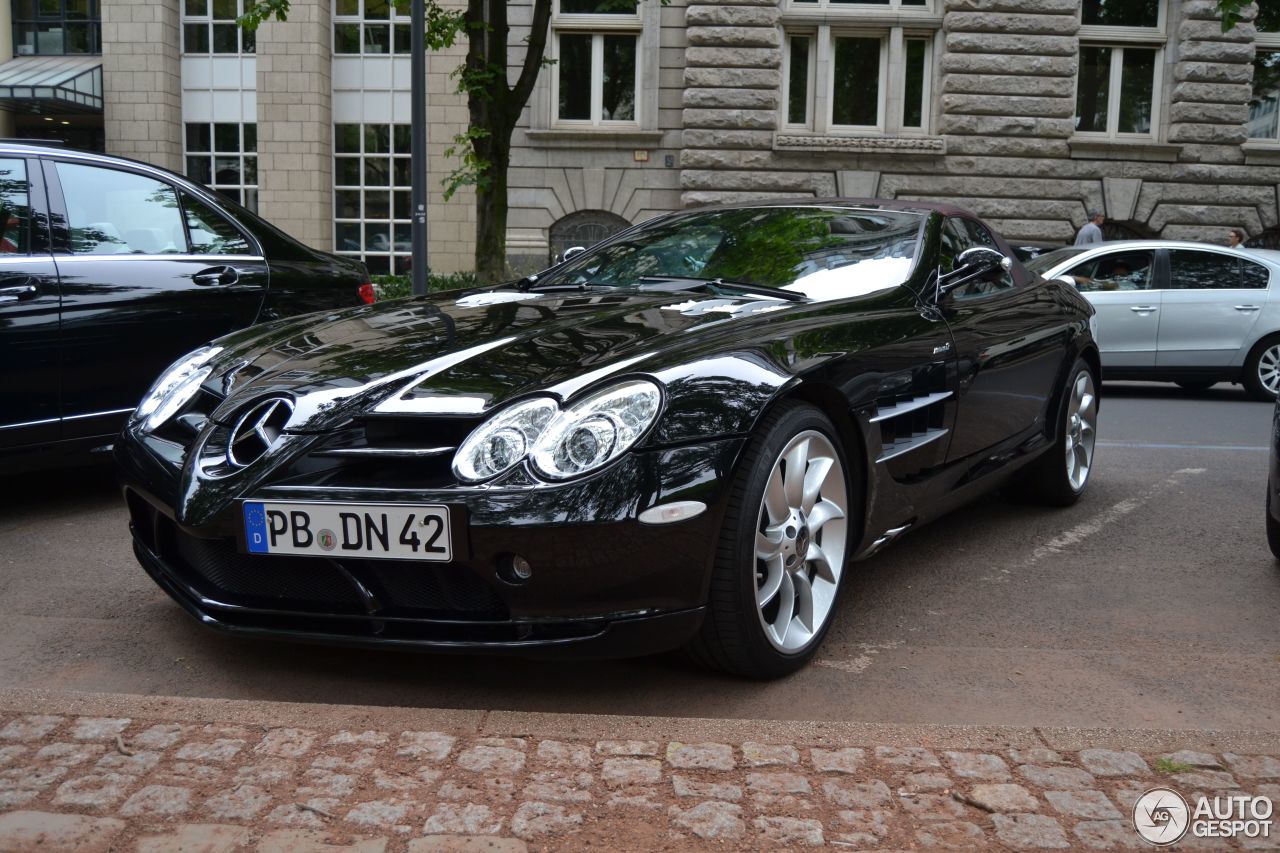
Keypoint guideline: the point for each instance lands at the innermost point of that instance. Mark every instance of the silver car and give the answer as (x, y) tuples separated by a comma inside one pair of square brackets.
[(1182, 312)]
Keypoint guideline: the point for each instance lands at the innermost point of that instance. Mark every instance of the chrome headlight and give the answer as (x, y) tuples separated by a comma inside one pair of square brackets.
[(503, 441), (596, 430), (175, 387)]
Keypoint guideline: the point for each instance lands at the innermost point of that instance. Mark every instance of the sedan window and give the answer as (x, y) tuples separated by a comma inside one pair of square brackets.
[(1255, 275), (15, 214), (1194, 270), (1117, 271), (211, 233), (110, 212)]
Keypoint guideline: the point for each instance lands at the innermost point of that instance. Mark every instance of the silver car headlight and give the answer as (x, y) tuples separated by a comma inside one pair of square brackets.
[(503, 441), (596, 430), (175, 387)]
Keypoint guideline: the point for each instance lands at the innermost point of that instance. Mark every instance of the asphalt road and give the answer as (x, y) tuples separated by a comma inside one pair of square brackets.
[(1153, 603)]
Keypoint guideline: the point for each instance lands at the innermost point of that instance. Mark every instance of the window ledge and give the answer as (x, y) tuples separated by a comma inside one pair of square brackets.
[(595, 137), (923, 145), (1261, 153), (1113, 149)]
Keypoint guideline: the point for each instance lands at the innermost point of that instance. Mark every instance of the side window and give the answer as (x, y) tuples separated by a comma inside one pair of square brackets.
[(982, 237), (211, 233), (959, 234), (110, 212), (15, 212), (954, 241), (1193, 270), (1120, 271), (1255, 276)]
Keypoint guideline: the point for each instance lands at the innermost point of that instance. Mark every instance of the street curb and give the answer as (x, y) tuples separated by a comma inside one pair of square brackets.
[(597, 727)]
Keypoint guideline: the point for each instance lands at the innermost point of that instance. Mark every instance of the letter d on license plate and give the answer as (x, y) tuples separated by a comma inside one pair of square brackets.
[(367, 531)]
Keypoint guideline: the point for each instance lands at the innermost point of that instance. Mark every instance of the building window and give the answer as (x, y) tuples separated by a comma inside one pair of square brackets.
[(596, 47), (209, 26), (1121, 50), (870, 81), (56, 27), (372, 197), (224, 157), (1264, 105), (876, 5), (370, 27)]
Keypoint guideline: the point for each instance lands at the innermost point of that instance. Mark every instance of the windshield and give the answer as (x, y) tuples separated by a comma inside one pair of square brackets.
[(1049, 260), (822, 252)]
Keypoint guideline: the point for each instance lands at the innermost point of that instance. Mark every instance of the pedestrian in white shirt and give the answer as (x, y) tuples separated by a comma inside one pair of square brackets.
[(1235, 239), (1092, 230)]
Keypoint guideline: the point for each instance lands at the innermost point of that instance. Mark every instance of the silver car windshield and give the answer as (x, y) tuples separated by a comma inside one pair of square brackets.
[(1042, 263), (821, 252)]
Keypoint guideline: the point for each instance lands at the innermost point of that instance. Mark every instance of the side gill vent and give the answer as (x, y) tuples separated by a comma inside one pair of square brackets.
[(909, 412)]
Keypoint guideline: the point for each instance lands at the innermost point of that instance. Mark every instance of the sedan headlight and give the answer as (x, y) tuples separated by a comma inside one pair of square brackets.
[(175, 387), (596, 430), (503, 441), (563, 443)]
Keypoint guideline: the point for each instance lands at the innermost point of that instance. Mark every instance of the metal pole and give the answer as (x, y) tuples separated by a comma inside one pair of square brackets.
[(418, 116)]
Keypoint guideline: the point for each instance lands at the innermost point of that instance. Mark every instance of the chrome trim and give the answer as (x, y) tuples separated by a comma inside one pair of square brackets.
[(124, 256), (909, 406), (69, 418), (27, 259), (898, 448), (387, 452)]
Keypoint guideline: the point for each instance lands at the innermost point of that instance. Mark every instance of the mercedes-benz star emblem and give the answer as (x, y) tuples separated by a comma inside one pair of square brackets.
[(257, 430)]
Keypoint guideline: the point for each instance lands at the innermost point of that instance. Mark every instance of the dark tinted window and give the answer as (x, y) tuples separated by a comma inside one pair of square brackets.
[(15, 214), (110, 212), (1193, 270), (958, 234), (1254, 275), (1117, 271), (211, 233)]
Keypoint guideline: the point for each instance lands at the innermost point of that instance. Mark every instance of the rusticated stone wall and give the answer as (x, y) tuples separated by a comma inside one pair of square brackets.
[(1003, 141)]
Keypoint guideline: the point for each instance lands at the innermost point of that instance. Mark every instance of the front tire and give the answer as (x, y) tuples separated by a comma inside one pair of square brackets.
[(1262, 369), (1060, 476), (781, 556)]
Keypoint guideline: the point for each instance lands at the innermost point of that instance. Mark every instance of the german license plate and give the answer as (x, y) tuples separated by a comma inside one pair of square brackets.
[(366, 531)]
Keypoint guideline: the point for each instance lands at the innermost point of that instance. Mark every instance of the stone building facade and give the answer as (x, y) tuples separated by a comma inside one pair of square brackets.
[(1030, 112)]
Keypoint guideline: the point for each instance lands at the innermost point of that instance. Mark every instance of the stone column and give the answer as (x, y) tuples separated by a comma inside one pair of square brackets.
[(6, 53), (142, 80), (732, 81), (1210, 100), (295, 123)]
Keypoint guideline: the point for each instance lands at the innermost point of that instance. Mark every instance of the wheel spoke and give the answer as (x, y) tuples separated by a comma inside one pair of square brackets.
[(804, 600), (1087, 408), (822, 513), (786, 608), (821, 565), (775, 498), (768, 546), (819, 468), (797, 465), (772, 581)]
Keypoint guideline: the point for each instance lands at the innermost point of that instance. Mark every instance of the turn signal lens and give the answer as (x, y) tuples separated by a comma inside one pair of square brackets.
[(367, 294)]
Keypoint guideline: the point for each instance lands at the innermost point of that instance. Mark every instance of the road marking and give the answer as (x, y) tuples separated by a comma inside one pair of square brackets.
[(1112, 514), (1145, 445), (862, 661)]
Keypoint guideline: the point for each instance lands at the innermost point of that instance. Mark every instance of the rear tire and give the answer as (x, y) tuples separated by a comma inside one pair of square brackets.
[(1261, 376), (1061, 475), (780, 559)]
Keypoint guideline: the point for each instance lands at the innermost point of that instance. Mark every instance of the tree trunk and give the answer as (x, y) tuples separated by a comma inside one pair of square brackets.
[(491, 215)]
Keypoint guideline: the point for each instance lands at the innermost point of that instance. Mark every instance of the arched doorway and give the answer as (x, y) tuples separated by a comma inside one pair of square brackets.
[(583, 228), (1269, 239), (1127, 230)]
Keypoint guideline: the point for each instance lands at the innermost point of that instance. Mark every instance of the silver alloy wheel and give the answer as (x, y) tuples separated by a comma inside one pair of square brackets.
[(1269, 368), (800, 541), (1082, 422)]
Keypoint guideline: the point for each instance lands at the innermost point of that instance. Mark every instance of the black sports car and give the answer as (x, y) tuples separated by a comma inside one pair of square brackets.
[(680, 437), (110, 269)]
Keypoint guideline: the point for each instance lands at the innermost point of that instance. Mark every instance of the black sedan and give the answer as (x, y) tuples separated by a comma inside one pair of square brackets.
[(681, 437), (109, 270)]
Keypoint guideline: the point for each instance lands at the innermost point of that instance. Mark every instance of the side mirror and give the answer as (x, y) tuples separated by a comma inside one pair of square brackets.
[(1066, 279), (572, 252), (974, 263)]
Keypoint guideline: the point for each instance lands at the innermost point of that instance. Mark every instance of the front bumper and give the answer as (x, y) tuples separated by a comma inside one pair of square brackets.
[(603, 584)]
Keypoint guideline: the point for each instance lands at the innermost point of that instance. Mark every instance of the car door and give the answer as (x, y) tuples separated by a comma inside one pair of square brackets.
[(1009, 336), (1125, 287), (1209, 308), (29, 311), (148, 272)]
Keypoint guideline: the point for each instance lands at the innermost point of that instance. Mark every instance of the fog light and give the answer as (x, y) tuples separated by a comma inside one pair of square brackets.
[(520, 568), (514, 569)]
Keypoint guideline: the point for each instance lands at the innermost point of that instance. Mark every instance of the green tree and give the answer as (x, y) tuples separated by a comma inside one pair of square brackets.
[(1232, 10)]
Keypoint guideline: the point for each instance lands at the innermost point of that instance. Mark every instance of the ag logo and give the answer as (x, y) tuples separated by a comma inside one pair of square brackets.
[(1161, 816), (326, 539)]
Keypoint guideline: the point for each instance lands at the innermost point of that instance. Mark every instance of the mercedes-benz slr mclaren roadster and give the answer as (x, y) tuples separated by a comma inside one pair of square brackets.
[(682, 437)]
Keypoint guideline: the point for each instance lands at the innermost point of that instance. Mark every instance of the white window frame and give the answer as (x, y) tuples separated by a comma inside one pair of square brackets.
[(207, 21), (891, 89), (1267, 43), (393, 21), (393, 255), (214, 153), (929, 7), (597, 26), (1118, 39)]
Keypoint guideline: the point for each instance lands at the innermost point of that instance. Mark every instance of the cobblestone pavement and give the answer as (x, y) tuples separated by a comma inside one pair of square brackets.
[(91, 783)]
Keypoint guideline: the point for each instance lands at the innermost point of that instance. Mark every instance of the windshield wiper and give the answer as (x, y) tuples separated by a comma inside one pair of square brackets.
[(723, 287)]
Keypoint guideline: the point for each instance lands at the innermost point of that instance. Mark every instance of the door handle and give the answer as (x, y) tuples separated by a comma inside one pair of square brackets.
[(18, 292), (216, 275), (1143, 309), (1247, 307)]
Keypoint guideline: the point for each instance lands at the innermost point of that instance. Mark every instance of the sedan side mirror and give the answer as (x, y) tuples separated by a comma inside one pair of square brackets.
[(572, 252), (974, 263)]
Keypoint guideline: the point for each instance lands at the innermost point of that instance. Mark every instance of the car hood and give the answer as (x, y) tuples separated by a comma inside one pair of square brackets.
[(464, 354)]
